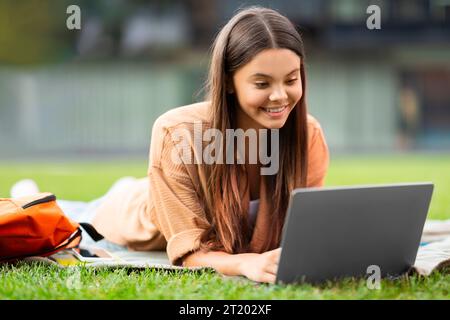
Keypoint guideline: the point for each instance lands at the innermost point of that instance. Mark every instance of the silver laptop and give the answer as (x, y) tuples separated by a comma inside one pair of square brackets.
[(331, 233)]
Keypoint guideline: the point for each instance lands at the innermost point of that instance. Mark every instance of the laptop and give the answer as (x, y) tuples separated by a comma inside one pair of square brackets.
[(337, 232)]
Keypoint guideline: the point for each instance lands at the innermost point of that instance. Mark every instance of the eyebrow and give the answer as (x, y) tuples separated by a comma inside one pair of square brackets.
[(268, 76)]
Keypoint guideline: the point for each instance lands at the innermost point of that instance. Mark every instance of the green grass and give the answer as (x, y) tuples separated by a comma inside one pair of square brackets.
[(85, 181)]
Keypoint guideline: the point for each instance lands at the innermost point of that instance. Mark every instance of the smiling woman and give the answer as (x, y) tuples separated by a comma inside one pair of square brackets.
[(228, 216)]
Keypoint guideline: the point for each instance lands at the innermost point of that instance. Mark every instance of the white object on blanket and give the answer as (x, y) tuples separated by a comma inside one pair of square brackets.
[(142, 260), (435, 230), (434, 256)]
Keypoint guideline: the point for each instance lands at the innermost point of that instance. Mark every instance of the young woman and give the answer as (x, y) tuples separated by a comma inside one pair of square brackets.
[(227, 216)]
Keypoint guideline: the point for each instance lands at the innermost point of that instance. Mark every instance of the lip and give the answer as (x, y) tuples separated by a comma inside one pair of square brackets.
[(276, 114)]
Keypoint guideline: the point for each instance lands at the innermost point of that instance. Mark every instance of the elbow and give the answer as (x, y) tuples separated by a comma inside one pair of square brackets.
[(188, 260)]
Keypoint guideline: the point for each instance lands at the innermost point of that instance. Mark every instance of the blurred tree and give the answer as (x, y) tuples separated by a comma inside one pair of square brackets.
[(29, 31)]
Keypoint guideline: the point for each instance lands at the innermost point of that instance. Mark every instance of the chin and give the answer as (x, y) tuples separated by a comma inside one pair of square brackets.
[(274, 124)]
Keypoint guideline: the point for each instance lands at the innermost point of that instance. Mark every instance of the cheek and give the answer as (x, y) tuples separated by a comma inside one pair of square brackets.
[(296, 92), (252, 99)]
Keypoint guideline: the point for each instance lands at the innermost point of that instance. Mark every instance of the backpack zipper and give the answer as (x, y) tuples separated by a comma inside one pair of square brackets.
[(39, 201)]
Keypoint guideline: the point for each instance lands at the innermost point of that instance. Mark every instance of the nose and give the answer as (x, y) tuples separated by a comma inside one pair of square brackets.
[(278, 94)]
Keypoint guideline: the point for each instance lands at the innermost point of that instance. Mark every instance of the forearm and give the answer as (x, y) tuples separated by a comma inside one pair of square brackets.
[(222, 262)]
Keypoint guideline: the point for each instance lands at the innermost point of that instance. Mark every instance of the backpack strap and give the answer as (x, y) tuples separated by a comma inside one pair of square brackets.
[(91, 231)]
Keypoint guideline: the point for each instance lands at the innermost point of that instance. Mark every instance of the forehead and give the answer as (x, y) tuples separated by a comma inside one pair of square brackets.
[(273, 62)]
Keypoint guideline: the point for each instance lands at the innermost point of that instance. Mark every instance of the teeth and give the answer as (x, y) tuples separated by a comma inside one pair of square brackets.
[(275, 109)]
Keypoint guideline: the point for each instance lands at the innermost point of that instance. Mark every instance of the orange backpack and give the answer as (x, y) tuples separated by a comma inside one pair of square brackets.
[(36, 226)]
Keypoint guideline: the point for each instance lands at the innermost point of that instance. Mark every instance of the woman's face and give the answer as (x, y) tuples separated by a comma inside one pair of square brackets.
[(267, 89)]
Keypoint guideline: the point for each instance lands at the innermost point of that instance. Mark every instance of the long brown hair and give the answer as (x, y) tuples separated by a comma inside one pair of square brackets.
[(249, 32)]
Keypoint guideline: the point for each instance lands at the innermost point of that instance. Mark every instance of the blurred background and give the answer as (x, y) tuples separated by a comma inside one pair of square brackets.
[(96, 91)]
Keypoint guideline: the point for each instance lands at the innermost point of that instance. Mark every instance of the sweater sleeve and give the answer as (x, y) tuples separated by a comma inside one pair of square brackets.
[(318, 157), (178, 213)]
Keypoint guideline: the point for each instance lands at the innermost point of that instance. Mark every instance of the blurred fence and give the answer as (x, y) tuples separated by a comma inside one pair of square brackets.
[(110, 108), (98, 90), (87, 109), (355, 103)]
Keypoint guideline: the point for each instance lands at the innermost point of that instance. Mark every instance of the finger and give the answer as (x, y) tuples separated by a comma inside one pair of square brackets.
[(271, 268), (268, 278), (274, 255)]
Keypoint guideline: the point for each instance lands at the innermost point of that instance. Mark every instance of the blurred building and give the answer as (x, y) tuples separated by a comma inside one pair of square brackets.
[(98, 90)]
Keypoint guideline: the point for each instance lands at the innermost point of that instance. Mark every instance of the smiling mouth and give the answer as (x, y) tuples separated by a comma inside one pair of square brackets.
[(275, 110)]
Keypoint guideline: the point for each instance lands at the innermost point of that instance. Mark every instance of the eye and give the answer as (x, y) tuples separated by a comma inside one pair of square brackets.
[(261, 85), (291, 81)]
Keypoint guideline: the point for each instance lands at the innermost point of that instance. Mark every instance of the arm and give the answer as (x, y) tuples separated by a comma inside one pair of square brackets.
[(260, 267), (180, 217)]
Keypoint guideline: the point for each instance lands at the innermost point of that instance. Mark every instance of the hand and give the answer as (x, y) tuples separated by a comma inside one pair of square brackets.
[(261, 267)]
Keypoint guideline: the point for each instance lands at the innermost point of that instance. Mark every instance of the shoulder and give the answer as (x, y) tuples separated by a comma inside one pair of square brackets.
[(183, 116), (313, 123), (179, 123), (318, 154), (314, 129)]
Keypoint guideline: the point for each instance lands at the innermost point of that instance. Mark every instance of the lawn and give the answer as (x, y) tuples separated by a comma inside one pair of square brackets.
[(85, 181)]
